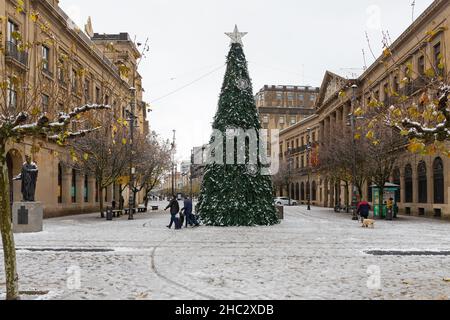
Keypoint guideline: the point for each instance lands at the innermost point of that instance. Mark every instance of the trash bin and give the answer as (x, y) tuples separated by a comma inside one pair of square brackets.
[(109, 214), (280, 212)]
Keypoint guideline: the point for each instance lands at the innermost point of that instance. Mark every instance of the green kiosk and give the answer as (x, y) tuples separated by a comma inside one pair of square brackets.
[(379, 202)]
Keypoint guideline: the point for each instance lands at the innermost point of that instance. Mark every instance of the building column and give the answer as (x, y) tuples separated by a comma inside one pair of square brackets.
[(325, 193), (91, 190), (109, 192), (402, 187), (66, 185), (80, 187)]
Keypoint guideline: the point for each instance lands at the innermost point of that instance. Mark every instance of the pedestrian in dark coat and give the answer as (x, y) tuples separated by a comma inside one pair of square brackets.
[(364, 209), (174, 209), (190, 219)]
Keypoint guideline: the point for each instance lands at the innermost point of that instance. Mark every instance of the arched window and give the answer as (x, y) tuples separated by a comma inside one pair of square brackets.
[(422, 179), (397, 181), (438, 181), (302, 191), (73, 191), (292, 191), (297, 191), (308, 191), (408, 184), (96, 191), (86, 188), (59, 183), (314, 191)]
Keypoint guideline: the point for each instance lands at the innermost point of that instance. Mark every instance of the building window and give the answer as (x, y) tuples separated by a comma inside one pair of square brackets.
[(397, 181), (438, 181), (96, 190), (73, 190), (106, 99), (13, 28), (421, 65), (422, 179), (313, 137), (302, 191), (437, 57), (97, 95), (293, 120), (408, 184), (312, 98), (396, 85), (279, 96), (87, 90), (45, 102), (301, 97), (290, 97), (266, 119), (11, 95), (282, 120), (74, 80), (59, 183), (314, 191), (61, 75), (308, 191), (46, 58), (86, 188), (303, 162), (292, 191)]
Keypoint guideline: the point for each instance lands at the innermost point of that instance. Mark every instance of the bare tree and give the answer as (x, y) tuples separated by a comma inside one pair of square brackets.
[(103, 154), (152, 162)]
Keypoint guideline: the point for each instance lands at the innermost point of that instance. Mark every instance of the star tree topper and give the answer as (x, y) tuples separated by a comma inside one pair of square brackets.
[(236, 36)]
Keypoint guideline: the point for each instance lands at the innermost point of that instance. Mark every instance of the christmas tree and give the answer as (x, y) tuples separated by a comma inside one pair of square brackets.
[(237, 194)]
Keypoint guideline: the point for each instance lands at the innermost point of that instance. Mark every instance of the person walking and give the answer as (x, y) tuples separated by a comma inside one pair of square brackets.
[(364, 209), (390, 209), (174, 209), (187, 210)]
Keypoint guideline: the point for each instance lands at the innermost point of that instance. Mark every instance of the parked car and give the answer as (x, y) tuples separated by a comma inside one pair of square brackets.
[(284, 201)]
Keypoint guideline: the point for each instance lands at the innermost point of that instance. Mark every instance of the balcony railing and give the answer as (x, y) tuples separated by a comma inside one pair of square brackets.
[(13, 53), (47, 72)]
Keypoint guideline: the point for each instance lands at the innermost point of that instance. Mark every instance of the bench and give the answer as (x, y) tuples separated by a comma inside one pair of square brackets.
[(142, 209), (155, 208)]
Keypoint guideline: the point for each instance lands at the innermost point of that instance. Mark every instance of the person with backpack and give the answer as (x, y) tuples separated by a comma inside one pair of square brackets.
[(174, 209)]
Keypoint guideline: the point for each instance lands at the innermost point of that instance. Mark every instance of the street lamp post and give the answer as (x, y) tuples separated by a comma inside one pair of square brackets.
[(173, 163), (132, 200), (353, 125), (308, 160)]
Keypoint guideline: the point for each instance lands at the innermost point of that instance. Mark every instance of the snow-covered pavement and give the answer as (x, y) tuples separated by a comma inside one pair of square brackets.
[(310, 255)]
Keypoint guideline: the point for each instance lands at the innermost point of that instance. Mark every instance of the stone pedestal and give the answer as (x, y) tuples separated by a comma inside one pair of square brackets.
[(28, 217)]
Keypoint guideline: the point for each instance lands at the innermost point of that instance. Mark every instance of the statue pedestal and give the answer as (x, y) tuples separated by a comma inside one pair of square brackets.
[(28, 217)]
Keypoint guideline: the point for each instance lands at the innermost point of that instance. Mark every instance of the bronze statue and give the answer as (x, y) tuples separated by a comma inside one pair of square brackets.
[(29, 177)]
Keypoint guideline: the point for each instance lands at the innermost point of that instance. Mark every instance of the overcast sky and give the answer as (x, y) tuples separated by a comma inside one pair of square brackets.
[(289, 42)]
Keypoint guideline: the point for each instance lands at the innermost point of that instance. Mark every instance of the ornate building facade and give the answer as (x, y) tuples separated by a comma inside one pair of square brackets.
[(94, 73), (424, 180)]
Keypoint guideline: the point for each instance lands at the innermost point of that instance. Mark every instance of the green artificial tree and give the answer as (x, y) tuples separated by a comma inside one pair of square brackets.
[(237, 194)]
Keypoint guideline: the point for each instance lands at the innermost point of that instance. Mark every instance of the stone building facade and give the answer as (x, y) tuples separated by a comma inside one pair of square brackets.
[(424, 180), (282, 106), (61, 189)]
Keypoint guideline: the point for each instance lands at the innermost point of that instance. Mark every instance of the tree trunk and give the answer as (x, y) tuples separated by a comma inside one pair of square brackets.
[(9, 248), (146, 199), (101, 201)]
